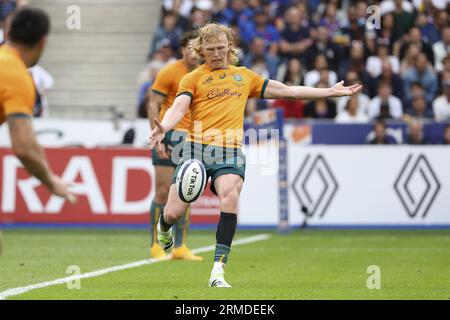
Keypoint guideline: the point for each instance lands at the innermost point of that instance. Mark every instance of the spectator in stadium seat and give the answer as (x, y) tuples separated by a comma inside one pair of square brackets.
[(385, 34), (417, 90), (313, 5), (236, 14), (355, 28), (218, 9), (425, 75), (379, 133), (6, 7), (322, 46), (386, 75), (441, 105), (385, 105), (441, 49), (370, 43), (446, 135), (407, 63), (259, 65), (260, 27), (330, 20), (313, 77), (352, 112), (419, 108), (361, 10), (166, 34), (254, 4), (175, 8), (355, 61), (362, 99), (258, 48), (295, 38), (441, 19), (375, 63), (277, 7), (205, 5), (429, 6), (199, 16), (321, 108), (291, 72), (415, 37), (415, 133), (430, 34), (403, 19), (444, 74), (318, 14), (185, 7), (392, 5)]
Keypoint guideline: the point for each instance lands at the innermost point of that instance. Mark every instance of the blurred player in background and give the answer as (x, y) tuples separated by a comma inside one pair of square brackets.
[(26, 38), (216, 94), (162, 95)]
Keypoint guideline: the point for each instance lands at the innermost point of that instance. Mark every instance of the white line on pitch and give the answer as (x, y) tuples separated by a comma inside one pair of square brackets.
[(21, 290)]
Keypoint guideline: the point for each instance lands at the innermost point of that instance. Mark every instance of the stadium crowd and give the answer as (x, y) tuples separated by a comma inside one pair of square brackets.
[(399, 50)]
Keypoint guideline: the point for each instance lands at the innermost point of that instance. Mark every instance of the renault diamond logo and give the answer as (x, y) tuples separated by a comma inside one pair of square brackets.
[(417, 186), (315, 186)]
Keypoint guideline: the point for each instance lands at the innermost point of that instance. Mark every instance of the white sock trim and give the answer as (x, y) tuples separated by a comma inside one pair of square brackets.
[(217, 267)]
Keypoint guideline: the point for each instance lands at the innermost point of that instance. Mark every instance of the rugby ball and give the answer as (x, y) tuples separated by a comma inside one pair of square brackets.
[(191, 180)]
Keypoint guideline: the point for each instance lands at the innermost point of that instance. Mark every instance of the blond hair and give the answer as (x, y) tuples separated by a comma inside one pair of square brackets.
[(212, 31)]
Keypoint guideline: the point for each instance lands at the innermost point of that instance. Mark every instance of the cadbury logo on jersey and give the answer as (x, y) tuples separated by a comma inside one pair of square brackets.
[(217, 93)]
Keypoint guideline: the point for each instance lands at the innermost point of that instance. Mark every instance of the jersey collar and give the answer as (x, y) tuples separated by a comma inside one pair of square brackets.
[(211, 70)]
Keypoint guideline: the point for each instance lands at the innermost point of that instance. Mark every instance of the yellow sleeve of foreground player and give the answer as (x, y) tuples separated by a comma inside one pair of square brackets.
[(17, 91)]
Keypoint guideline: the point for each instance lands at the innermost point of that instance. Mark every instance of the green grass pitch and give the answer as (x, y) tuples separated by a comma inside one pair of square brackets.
[(306, 264)]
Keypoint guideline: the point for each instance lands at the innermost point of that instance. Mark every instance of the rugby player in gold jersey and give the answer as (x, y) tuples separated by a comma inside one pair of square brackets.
[(216, 94)]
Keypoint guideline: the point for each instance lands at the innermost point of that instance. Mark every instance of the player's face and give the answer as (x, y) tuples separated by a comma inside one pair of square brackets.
[(190, 58), (215, 52)]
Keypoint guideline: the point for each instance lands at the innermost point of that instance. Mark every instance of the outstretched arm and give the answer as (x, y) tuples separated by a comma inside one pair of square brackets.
[(174, 115), (154, 106), (278, 90)]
